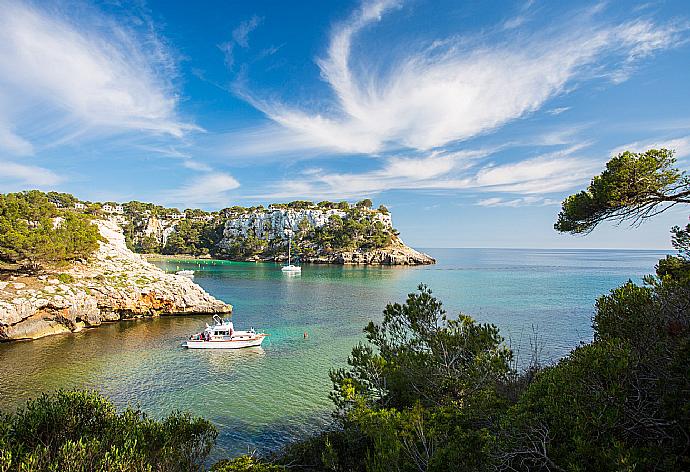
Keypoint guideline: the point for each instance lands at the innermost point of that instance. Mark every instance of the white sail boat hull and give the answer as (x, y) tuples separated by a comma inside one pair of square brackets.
[(290, 268)]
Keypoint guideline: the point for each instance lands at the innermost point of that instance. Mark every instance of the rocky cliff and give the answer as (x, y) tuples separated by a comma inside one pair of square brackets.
[(114, 284), (340, 235)]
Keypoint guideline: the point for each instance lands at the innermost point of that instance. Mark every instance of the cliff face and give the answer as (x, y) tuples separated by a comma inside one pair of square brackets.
[(114, 284), (262, 234), (275, 224)]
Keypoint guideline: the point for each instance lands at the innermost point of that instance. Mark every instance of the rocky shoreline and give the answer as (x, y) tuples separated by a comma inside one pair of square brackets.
[(397, 254), (115, 284)]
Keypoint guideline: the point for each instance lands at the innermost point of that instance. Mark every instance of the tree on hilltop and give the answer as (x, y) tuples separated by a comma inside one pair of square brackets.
[(35, 233), (366, 203)]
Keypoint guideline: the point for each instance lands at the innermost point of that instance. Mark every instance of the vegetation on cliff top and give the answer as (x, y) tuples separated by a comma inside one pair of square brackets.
[(200, 235), (35, 233), (40, 230)]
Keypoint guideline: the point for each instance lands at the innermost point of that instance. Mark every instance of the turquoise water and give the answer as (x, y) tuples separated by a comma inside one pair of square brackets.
[(262, 398)]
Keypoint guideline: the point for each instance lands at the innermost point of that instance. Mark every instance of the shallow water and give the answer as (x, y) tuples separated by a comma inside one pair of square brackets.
[(261, 398)]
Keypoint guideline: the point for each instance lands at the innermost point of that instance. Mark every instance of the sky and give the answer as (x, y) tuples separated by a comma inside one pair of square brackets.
[(469, 120)]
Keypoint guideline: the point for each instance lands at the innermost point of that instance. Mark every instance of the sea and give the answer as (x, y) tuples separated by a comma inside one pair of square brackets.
[(263, 398)]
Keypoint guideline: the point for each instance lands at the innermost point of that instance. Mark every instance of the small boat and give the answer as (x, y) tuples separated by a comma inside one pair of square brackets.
[(186, 273), (289, 267), (222, 335)]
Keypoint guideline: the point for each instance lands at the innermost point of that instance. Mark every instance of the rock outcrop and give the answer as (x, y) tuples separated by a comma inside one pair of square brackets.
[(396, 254), (114, 284)]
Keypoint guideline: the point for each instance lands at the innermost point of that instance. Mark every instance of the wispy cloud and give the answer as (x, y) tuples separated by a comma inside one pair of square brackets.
[(207, 190), (641, 39), (548, 173), (13, 143), (241, 33), (558, 110), (517, 202), (63, 77), (22, 175), (439, 171), (455, 89), (240, 37), (681, 145)]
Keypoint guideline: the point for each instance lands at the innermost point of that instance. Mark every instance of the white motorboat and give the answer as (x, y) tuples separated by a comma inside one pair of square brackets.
[(186, 273), (289, 267), (222, 335)]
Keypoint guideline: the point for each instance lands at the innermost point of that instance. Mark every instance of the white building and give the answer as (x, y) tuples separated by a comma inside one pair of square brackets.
[(79, 206)]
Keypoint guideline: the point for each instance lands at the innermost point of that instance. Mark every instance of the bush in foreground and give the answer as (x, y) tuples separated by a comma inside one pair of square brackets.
[(82, 431)]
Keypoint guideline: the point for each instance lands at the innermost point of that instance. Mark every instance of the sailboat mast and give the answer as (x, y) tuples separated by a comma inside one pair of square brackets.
[(289, 248)]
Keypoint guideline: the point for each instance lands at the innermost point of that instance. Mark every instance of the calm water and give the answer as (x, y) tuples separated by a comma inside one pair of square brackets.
[(262, 398)]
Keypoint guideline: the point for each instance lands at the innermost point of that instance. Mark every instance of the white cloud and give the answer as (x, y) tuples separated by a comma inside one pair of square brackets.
[(642, 38), (60, 79), (241, 33), (681, 145), (517, 202), (27, 175), (196, 165), (464, 170), (455, 89), (240, 37), (208, 190), (553, 172), (14, 143), (558, 111)]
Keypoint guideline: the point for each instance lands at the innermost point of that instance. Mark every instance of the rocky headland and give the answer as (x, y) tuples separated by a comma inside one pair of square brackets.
[(321, 235), (114, 284)]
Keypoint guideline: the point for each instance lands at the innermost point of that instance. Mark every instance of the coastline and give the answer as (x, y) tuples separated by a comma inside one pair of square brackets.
[(114, 284), (394, 255), (177, 257)]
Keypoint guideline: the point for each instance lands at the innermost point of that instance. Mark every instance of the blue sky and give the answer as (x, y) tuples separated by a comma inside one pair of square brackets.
[(470, 120)]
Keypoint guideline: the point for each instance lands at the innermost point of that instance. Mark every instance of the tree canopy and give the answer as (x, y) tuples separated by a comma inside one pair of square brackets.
[(633, 187), (36, 233)]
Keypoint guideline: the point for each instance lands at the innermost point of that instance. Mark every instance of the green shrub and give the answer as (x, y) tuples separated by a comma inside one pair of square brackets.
[(245, 464), (83, 431), (65, 278)]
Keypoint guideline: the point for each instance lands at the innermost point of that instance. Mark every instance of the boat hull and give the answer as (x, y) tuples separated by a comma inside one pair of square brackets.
[(228, 344)]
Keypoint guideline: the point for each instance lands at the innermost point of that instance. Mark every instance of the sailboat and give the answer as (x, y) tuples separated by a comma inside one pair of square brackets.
[(289, 268)]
